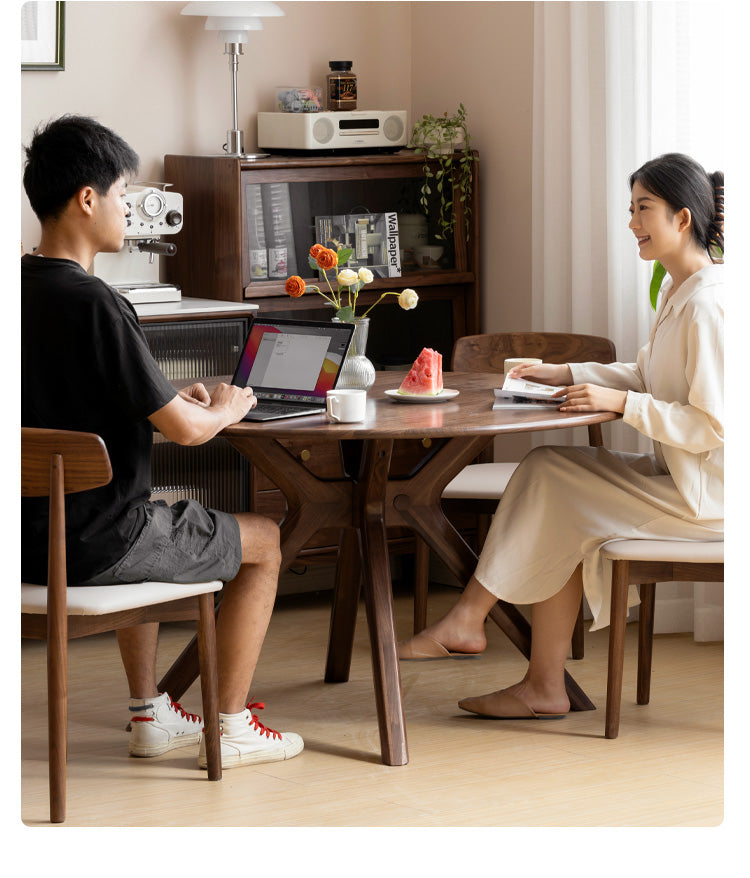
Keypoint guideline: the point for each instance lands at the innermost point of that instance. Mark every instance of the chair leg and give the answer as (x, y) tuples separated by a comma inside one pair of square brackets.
[(645, 641), (578, 634), (421, 583), (57, 647), (209, 684), (617, 621), (57, 718)]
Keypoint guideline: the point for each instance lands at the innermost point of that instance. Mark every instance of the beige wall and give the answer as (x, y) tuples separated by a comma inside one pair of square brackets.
[(481, 55), (162, 81)]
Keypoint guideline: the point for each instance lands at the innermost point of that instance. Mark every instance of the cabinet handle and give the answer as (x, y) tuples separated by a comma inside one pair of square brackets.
[(426, 443), (304, 454)]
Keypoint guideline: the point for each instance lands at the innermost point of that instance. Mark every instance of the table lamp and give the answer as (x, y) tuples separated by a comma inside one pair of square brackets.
[(233, 21)]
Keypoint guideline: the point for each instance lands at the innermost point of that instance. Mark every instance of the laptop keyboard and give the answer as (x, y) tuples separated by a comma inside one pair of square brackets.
[(271, 408)]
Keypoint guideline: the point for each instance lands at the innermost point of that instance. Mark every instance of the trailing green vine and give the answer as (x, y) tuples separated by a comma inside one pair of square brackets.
[(437, 138)]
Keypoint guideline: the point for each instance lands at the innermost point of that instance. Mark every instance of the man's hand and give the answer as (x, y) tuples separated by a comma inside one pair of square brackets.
[(592, 398), (193, 416), (197, 394), (237, 400)]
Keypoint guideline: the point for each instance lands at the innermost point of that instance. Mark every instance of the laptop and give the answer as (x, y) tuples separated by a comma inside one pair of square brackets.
[(290, 364)]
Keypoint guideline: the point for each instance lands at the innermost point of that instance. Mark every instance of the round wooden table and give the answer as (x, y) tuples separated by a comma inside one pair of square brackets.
[(370, 498)]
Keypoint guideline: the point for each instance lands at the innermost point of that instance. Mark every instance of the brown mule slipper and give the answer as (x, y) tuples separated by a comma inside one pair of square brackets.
[(503, 705), (423, 648)]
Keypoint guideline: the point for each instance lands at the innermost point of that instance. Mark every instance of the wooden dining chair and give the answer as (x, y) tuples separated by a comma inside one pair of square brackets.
[(55, 463), (644, 563), (480, 486)]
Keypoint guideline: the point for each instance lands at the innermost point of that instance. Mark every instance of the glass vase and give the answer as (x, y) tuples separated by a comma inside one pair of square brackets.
[(357, 373)]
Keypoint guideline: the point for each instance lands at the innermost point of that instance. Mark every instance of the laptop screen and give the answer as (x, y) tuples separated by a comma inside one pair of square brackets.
[(293, 360)]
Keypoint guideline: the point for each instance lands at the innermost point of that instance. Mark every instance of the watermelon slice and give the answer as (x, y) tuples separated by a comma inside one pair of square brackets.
[(425, 377)]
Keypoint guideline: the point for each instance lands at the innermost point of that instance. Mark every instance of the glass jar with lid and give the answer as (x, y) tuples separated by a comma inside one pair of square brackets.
[(341, 86)]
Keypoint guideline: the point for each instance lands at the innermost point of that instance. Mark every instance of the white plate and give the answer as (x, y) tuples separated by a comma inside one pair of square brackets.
[(444, 395)]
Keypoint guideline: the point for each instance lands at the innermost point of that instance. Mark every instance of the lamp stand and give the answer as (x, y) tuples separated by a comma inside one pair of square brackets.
[(235, 145)]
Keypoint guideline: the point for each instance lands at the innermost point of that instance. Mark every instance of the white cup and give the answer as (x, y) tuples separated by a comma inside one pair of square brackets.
[(520, 361), (346, 406)]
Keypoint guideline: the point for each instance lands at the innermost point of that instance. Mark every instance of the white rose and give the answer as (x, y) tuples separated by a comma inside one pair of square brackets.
[(346, 277), (408, 299), (365, 275)]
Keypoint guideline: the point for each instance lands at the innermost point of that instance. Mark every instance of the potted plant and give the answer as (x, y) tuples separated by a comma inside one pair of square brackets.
[(439, 139)]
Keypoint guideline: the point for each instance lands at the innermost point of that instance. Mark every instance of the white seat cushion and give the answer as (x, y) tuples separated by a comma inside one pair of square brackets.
[(681, 551), (98, 600), (480, 481)]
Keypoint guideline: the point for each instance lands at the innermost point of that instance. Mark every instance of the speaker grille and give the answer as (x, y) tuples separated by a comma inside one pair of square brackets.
[(322, 130), (393, 128)]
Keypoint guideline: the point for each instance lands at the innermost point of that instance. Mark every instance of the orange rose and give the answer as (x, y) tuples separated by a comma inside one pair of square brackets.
[(315, 249), (295, 286), (327, 259)]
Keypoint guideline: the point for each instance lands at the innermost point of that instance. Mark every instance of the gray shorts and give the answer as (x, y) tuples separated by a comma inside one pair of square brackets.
[(184, 542)]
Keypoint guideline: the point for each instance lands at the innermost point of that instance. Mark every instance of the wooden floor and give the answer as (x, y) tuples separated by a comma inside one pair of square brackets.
[(665, 769)]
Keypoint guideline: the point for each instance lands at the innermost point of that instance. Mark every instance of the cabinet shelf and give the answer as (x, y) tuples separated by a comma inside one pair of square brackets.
[(418, 279)]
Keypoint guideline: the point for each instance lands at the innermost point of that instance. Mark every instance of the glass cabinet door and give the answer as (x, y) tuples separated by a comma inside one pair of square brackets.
[(284, 219)]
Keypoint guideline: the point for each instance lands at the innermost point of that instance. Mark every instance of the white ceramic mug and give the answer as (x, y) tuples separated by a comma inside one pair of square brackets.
[(520, 361), (346, 406)]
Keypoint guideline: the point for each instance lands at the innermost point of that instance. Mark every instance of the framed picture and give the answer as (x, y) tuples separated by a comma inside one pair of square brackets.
[(42, 36)]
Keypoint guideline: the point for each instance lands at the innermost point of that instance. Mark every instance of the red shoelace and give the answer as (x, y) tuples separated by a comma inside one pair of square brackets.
[(193, 717), (257, 724)]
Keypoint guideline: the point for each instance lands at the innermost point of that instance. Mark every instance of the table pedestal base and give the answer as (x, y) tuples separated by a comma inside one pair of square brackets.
[(363, 507)]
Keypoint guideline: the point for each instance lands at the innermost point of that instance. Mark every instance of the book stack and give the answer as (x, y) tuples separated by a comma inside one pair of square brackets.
[(270, 236)]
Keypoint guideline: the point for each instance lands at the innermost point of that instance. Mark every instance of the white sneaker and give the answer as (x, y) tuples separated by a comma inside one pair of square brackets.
[(160, 724), (245, 740)]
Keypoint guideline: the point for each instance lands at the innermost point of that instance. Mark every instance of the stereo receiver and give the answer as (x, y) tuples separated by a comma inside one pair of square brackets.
[(361, 130)]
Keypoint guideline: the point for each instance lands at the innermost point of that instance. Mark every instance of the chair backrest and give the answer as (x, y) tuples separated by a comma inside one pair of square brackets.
[(487, 353), (55, 463), (85, 462)]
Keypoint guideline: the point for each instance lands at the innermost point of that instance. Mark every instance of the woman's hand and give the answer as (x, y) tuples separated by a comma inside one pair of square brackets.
[(543, 373), (592, 398)]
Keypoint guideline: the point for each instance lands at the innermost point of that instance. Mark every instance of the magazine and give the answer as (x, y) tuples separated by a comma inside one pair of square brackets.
[(520, 393), (372, 238)]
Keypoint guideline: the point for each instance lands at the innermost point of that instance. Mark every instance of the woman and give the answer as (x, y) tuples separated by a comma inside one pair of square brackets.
[(562, 503)]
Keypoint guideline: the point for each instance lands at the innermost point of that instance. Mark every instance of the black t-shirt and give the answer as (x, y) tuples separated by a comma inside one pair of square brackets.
[(85, 365)]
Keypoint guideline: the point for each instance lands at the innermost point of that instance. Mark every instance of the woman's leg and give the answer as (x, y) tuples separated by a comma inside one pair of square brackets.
[(552, 622), (462, 628)]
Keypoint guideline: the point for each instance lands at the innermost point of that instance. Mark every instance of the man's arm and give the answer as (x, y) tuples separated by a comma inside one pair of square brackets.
[(194, 421)]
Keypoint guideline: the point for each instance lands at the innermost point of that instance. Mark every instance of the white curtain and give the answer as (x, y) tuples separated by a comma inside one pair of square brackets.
[(615, 84)]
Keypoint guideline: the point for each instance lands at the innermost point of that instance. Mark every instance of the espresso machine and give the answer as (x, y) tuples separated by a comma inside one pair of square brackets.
[(155, 214)]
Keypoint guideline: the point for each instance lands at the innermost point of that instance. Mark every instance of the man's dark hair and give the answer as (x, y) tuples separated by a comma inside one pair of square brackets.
[(69, 153)]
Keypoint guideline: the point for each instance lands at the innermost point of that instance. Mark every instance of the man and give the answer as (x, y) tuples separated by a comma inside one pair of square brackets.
[(86, 366)]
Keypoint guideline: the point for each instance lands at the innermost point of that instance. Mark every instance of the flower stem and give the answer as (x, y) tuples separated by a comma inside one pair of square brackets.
[(333, 300), (315, 289), (383, 295)]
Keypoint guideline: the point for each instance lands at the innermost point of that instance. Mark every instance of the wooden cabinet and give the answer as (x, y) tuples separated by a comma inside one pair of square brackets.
[(220, 206), (222, 198)]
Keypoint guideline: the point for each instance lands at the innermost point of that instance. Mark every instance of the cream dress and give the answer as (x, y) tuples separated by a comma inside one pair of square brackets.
[(563, 503)]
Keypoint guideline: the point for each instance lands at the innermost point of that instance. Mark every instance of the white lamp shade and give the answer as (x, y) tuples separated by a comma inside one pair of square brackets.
[(259, 9), (215, 23)]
